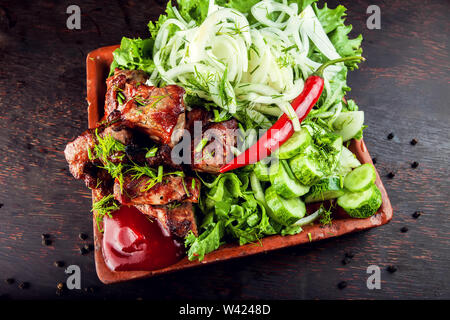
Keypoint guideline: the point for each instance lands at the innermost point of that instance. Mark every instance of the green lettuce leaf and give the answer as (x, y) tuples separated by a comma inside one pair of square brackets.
[(230, 205), (208, 241), (134, 54)]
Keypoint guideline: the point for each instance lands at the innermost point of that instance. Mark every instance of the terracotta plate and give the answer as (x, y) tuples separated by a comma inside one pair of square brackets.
[(98, 62)]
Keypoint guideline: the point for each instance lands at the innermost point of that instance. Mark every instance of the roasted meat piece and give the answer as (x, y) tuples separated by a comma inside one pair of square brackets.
[(117, 83), (159, 112), (162, 157), (178, 219), (77, 153), (218, 139), (172, 188)]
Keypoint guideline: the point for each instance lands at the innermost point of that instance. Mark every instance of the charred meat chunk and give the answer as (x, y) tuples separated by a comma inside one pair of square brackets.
[(159, 112), (143, 190), (214, 148), (178, 219), (79, 153), (115, 87)]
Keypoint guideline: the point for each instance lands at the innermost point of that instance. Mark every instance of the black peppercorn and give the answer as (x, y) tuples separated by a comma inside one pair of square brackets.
[(404, 229), (417, 214), (58, 264), (342, 284), (415, 164), (47, 242), (83, 236), (391, 269), (390, 135), (374, 160), (414, 141), (391, 175), (10, 281), (346, 260), (83, 251)]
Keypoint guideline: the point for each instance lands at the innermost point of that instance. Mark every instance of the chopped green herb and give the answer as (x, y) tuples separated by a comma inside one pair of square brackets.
[(105, 206), (201, 145), (151, 152)]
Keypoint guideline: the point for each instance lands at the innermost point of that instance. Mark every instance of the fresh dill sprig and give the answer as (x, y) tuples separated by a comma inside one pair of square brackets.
[(106, 147), (325, 216), (151, 152), (201, 144), (103, 207)]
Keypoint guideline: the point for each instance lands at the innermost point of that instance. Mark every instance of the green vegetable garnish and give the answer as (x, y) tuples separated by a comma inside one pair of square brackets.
[(103, 207)]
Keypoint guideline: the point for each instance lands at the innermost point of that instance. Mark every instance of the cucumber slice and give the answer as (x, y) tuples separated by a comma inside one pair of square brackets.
[(261, 171), (348, 159), (284, 211), (361, 204), (299, 141), (325, 189), (348, 124), (347, 162), (361, 178), (306, 168), (284, 181)]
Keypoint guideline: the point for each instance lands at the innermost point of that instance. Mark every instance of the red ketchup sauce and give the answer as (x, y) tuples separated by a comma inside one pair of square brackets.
[(133, 242)]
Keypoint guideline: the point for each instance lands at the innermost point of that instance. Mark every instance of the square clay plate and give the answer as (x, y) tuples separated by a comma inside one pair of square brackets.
[(97, 63)]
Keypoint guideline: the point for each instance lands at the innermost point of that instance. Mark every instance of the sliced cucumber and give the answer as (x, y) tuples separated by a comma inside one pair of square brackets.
[(284, 211), (361, 204), (348, 159), (306, 167), (284, 181), (325, 189), (299, 141), (361, 178), (348, 124), (261, 171)]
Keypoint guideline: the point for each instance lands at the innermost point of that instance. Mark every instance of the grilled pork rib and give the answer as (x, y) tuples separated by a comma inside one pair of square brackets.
[(77, 153), (220, 137), (116, 84), (177, 219), (159, 112), (172, 188)]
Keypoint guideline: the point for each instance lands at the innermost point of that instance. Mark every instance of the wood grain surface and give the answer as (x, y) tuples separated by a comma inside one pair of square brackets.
[(403, 88)]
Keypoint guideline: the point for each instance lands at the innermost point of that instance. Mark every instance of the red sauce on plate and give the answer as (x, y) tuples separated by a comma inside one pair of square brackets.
[(133, 242)]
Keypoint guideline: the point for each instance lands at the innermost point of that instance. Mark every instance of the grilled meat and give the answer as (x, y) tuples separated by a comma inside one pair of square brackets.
[(172, 188), (77, 153), (163, 157), (159, 112), (118, 83), (177, 219), (218, 151)]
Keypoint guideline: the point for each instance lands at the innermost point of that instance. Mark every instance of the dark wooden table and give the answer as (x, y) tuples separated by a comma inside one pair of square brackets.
[(403, 88)]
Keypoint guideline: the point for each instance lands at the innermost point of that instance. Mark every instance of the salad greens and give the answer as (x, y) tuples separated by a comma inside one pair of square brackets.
[(248, 59)]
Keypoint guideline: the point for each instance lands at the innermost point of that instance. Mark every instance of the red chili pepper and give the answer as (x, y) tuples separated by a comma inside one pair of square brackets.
[(283, 129)]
